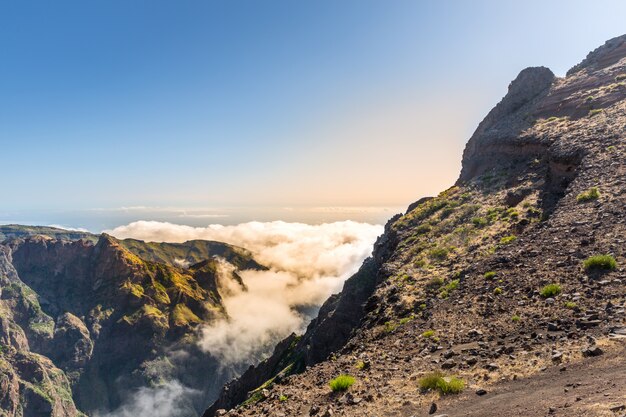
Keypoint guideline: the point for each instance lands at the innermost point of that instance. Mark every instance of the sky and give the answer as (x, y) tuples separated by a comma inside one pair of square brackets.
[(227, 111)]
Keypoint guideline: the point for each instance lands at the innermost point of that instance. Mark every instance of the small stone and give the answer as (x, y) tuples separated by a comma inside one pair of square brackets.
[(492, 367), (449, 364), (553, 327), (481, 392), (433, 408)]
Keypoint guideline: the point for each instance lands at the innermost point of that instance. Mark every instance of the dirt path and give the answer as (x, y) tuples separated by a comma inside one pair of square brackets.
[(592, 387)]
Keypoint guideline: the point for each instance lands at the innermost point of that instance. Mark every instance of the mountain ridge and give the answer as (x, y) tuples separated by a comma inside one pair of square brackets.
[(97, 321)]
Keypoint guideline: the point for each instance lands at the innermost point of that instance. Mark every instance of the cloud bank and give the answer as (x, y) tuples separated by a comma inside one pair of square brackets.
[(307, 264), (164, 401)]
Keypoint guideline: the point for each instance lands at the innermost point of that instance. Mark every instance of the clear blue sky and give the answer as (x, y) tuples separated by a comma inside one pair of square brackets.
[(213, 104)]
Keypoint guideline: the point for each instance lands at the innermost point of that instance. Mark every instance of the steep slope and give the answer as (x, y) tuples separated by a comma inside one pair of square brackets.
[(491, 281), (101, 321), (30, 384), (190, 252)]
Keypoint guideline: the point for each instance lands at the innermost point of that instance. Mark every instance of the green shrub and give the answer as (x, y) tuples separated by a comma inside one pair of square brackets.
[(390, 326), (508, 239), (594, 112), (438, 253), (360, 365), (420, 263), (512, 213), (570, 305), (497, 291), (422, 228), (589, 195), (428, 334), (434, 283), (550, 290), (451, 385), (282, 398), (479, 221), (430, 381), (515, 318), (600, 262), (490, 275), (445, 385), (493, 213), (405, 320), (341, 383), (452, 285), (533, 212)]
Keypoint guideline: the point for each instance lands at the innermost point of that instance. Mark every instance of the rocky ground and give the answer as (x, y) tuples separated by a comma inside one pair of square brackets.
[(487, 281)]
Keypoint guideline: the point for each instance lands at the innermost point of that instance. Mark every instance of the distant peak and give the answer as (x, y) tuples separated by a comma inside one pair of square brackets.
[(611, 52)]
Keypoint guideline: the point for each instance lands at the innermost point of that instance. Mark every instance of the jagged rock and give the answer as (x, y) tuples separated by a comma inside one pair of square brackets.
[(72, 345), (592, 351), (449, 364)]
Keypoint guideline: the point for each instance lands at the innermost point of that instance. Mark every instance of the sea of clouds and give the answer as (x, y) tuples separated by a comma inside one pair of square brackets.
[(307, 263)]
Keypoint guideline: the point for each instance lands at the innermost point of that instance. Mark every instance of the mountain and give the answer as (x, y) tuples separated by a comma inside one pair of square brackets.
[(88, 320), (8, 231), (509, 286), (173, 254)]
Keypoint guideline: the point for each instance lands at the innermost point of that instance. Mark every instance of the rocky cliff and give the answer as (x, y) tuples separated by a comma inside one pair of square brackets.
[(498, 285), (88, 320)]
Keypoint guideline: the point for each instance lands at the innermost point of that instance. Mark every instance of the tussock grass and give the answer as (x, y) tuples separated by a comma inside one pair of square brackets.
[(550, 290), (341, 383), (508, 239), (428, 334), (435, 381), (600, 262), (589, 195)]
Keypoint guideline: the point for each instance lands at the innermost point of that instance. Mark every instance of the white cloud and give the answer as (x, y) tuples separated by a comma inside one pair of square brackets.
[(71, 229), (307, 264), (167, 400)]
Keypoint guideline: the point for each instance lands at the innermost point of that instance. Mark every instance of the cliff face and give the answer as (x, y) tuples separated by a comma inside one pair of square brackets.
[(490, 280), (30, 384), (86, 322)]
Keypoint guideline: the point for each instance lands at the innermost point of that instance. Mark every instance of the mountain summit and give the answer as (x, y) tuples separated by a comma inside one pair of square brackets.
[(506, 289)]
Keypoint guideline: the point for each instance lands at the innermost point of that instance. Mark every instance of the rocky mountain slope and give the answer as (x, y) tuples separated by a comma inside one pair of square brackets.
[(85, 320), (512, 281)]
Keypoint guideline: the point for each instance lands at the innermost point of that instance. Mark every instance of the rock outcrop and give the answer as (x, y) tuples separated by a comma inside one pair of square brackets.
[(85, 322)]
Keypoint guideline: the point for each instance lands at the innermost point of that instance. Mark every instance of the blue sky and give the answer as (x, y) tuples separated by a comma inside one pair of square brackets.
[(210, 105)]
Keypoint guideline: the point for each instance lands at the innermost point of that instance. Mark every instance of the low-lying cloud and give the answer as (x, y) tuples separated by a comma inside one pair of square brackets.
[(307, 264), (167, 400)]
